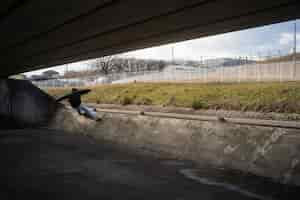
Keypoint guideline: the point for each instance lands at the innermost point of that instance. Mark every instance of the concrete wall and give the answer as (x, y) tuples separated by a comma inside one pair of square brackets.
[(265, 151), (23, 104)]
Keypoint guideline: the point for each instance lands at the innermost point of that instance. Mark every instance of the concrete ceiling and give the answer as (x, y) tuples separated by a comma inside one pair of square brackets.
[(38, 34)]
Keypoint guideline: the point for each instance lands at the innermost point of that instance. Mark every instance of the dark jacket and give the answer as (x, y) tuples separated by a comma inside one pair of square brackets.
[(75, 100)]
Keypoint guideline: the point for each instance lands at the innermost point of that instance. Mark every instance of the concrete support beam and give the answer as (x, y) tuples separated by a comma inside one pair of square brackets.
[(32, 37)]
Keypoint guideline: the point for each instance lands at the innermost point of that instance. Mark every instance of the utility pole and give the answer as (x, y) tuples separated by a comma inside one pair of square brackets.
[(295, 50), (295, 38), (258, 70), (66, 73), (66, 69), (173, 58)]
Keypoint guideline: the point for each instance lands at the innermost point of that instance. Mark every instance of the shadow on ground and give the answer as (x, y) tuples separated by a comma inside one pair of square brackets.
[(53, 165)]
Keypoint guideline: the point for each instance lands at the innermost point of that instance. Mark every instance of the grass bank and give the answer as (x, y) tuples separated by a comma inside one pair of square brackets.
[(263, 97)]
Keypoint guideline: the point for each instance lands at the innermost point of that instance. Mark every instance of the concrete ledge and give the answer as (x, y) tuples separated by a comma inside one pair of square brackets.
[(252, 122), (203, 112), (262, 147)]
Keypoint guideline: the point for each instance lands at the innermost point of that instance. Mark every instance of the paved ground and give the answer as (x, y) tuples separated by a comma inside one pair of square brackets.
[(51, 165)]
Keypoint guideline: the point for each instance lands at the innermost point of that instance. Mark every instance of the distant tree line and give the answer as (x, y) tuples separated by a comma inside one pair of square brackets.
[(116, 64), (112, 64)]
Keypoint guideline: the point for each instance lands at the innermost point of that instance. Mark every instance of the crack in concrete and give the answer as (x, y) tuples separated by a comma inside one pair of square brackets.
[(267, 146)]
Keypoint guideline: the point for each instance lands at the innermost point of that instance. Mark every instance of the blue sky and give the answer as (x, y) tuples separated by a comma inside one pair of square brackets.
[(263, 41)]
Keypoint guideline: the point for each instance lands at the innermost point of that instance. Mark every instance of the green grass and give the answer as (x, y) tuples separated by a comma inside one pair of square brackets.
[(264, 97)]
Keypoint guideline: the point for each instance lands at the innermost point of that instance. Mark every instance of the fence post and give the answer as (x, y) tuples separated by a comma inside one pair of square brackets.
[(258, 72), (279, 63), (245, 68), (206, 74), (239, 70)]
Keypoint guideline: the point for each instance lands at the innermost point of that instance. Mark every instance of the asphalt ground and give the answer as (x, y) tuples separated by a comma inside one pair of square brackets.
[(48, 164)]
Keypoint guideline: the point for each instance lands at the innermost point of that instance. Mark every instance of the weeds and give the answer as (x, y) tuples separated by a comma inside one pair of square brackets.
[(262, 97), (199, 104)]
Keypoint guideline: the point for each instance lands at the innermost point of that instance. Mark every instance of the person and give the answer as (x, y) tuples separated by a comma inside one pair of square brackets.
[(75, 101)]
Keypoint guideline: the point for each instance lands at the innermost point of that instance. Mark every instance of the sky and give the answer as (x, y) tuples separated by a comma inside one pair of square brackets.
[(262, 41)]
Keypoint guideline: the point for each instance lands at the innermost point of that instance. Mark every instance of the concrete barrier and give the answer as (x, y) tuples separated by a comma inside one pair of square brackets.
[(262, 150), (24, 105)]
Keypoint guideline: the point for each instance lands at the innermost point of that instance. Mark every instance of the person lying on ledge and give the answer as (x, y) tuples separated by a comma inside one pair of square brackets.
[(75, 101)]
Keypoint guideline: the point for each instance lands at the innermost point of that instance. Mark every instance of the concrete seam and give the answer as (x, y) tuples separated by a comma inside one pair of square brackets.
[(240, 121)]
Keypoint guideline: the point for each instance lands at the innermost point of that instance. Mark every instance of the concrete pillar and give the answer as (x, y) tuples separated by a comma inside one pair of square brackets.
[(24, 105)]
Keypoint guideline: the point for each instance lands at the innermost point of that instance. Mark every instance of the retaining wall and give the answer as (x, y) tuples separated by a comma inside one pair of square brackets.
[(263, 150), (24, 105)]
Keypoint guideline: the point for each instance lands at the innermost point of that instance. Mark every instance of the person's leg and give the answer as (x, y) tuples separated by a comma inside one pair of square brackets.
[(89, 112), (80, 110)]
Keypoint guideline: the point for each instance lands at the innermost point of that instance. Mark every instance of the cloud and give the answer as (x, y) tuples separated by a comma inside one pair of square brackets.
[(288, 38), (225, 45), (261, 41)]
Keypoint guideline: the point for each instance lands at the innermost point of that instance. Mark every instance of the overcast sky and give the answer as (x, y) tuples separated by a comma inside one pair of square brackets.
[(262, 41)]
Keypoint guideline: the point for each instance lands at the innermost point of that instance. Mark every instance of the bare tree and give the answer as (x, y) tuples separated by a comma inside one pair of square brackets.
[(116, 64), (104, 65), (120, 65), (161, 65)]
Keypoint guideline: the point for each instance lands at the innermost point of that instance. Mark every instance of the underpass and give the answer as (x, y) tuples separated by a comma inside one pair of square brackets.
[(44, 162)]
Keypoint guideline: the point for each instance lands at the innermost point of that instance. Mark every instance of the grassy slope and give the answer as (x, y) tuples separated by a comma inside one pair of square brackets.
[(266, 97)]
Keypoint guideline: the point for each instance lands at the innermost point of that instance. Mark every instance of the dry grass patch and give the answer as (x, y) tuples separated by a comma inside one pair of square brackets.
[(264, 97)]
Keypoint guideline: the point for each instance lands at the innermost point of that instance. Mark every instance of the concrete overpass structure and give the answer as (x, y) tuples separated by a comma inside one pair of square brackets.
[(43, 163), (36, 34)]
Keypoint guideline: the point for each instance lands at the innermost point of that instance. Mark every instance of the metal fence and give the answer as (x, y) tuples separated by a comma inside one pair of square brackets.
[(205, 72), (284, 71)]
